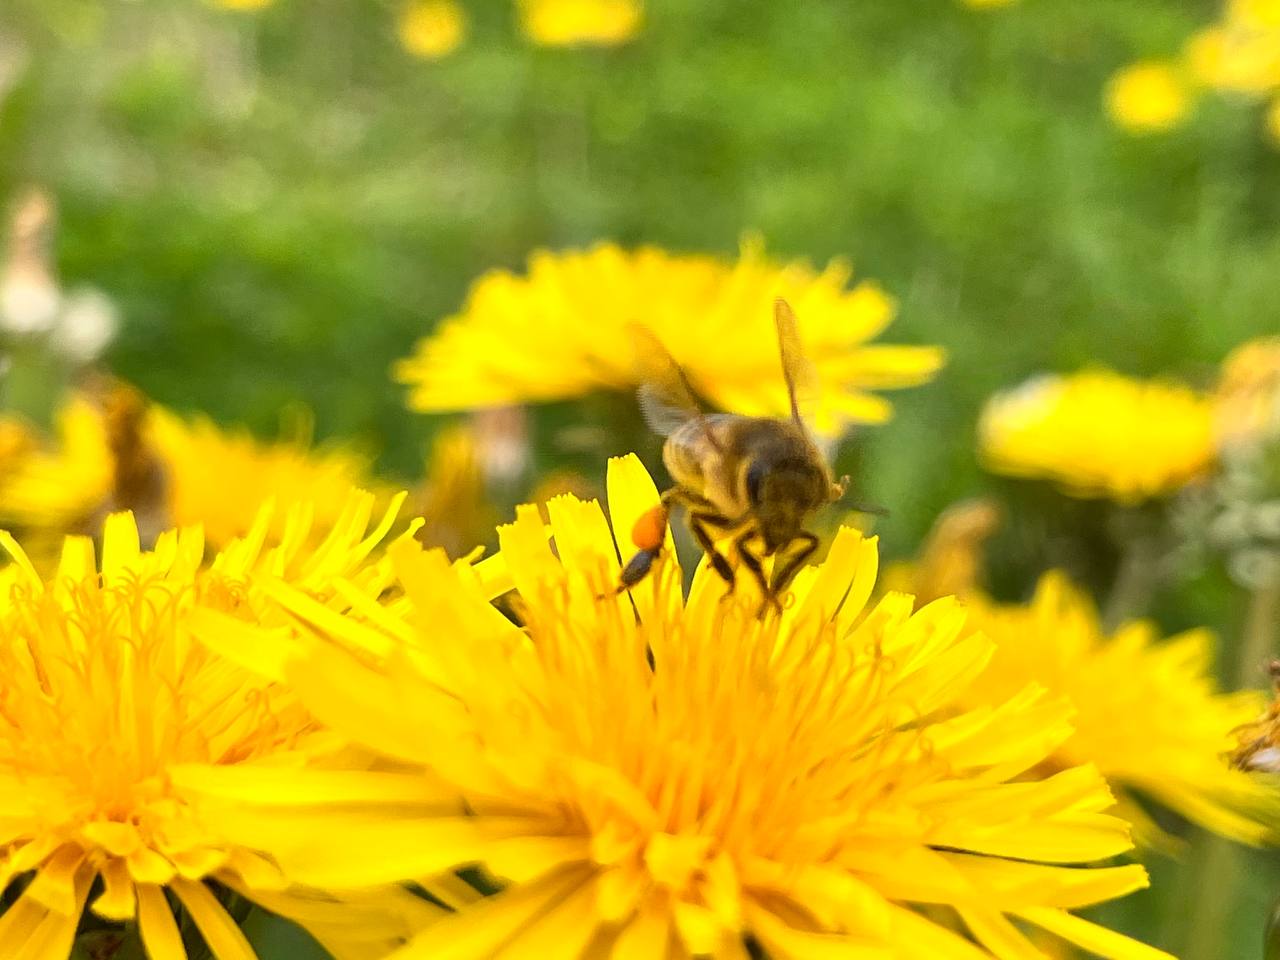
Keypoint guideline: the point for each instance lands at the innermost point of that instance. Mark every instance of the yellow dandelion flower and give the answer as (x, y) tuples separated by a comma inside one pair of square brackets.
[(1147, 712), (17, 441), (246, 5), (988, 4), (1259, 14), (1248, 395), (566, 328), (1099, 434), (1148, 98), (117, 453), (105, 691), (668, 784), (565, 23), (432, 28), (1236, 58), (252, 470), (455, 511)]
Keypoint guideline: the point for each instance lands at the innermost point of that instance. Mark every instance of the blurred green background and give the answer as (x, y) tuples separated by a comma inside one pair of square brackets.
[(281, 201)]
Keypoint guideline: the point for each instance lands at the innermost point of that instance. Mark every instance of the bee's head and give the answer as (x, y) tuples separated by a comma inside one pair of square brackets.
[(783, 494)]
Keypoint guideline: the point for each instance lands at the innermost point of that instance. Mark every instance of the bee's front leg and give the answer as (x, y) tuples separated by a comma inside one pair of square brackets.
[(783, 574), (701, 524)]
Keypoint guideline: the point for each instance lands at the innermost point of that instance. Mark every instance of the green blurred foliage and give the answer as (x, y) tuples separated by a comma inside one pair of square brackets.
[(281, 202)]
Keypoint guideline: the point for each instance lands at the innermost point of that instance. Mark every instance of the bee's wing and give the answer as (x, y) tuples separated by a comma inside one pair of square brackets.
[(666, 399), (798, 370)]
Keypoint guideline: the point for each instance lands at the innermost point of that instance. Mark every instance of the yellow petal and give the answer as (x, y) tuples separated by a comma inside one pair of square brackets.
[(159, 930), (1090, 936), (222, 935), (786, 941), (117, 900), (480, 932)]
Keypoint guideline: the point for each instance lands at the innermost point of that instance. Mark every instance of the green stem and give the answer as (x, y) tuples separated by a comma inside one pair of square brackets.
[(1136, 581), (1218, 882)]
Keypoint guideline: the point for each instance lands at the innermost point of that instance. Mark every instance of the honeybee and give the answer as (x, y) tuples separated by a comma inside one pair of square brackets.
[(755, 480)]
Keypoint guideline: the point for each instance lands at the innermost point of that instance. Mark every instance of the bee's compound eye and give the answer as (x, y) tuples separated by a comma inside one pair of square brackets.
[(755, 482)]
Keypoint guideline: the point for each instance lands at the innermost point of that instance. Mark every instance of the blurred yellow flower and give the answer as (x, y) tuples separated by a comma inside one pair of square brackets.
[(1147, 712), (950, 564), (1236, 59), (664, 785), (105, 691), (1248, 396), (565, 329), (562, 23), (988, 4), (1148, 97), (117, 452), (432, 28), (1099, 434), (243, 4), (456, 513)]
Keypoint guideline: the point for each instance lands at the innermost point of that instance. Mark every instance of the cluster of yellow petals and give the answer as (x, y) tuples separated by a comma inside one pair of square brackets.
[(1148, 97), (1100, 434), (432, 29), (1148, 713), (1238, 55), (108, 687), (565, 23), (566, 328), (654, 776), (71, 483)]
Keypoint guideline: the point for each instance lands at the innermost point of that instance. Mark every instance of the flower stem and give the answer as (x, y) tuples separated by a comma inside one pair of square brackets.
[(1219, 880), (1136, 581)]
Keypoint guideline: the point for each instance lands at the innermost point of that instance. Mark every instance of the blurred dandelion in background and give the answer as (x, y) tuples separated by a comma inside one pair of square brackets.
[(567, 23), (1148, 97), (1099, 434), (432, 28), (572, 314), (114, 450)]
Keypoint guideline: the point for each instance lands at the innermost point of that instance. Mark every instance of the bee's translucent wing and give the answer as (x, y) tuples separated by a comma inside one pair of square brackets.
[(798, 371), (666, 400)]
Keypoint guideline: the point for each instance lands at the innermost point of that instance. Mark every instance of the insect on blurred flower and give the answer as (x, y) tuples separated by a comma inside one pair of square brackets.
[(564, 329), (567, 23), (105, 690), (116, 451), (432, 29), (667, 785), (1100, 434), (1148, 98), (1147, 712)]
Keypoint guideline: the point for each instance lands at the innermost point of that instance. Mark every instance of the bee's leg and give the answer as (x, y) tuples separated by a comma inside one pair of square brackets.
[(637, 569), (782, 575), (700, 524), (755, 565)]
